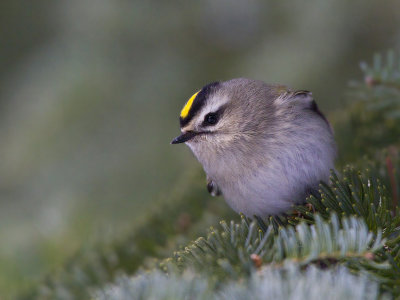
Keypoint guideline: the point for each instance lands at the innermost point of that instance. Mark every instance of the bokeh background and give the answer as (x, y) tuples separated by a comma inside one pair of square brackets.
[(90, 93)]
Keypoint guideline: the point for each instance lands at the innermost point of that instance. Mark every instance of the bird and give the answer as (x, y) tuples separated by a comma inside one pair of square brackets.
[(264, 147)]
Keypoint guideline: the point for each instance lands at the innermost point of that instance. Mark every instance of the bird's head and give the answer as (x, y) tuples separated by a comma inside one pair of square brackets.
[(223, 112)]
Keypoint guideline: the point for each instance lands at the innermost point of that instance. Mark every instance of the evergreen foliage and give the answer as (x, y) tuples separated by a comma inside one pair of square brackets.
[(153, 235), (371, 120), (356, 195), (240, 248), (284, 283), (343, 244)]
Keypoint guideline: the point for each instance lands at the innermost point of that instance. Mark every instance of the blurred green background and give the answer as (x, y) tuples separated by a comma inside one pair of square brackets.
[(90, 93)]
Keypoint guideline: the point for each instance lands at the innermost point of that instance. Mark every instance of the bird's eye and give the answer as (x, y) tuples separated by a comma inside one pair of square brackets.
[(211, 119)]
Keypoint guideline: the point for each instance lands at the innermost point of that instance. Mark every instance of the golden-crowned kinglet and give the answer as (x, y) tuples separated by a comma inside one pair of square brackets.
[(264, 147)]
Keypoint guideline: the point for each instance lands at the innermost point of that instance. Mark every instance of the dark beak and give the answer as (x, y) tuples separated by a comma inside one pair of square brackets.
[(184, 137)]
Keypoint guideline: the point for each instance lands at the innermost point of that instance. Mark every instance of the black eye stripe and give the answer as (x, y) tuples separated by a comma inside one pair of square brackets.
[(199, 102), (212, 118)]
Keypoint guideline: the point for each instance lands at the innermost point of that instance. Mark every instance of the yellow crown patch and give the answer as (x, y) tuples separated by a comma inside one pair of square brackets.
[(185, 110)]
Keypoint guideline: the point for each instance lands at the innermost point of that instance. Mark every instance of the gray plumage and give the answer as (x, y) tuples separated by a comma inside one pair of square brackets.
[(268, 148)]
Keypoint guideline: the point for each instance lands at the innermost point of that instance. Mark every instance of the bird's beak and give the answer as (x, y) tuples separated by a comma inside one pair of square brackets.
[(184, 137)]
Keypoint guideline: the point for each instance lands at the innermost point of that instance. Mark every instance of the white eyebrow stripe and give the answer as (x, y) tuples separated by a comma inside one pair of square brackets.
[(213, 106)]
